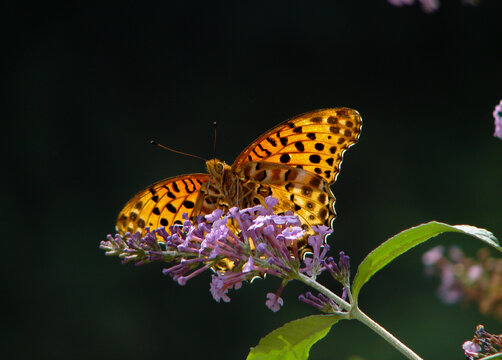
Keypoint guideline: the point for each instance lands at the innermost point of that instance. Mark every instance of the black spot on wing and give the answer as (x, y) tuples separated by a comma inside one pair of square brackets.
[(315, 159), (264, 150), (299, 146), (187, 188), (287, 186), (332, 120), (254, 151), (169, 193), (271, 142), (188, 204), (285, 158)]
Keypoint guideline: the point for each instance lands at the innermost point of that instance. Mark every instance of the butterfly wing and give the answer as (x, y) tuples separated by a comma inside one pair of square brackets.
[(297, 161), (300, 191), (313, 141), (163, 203), (304, 193)]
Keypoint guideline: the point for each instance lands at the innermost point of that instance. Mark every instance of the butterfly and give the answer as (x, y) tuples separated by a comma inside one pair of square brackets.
[(295, 162)]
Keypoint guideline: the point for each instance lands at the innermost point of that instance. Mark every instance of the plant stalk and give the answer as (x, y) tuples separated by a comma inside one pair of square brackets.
[(356, 313), (365, 319)]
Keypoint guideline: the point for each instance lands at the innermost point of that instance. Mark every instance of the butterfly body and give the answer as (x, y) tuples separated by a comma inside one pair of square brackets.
[(296, 162), (222, 189)]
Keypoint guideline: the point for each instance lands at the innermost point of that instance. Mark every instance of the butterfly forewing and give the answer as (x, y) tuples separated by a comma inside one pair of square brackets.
[(314, 141), (162, 204)]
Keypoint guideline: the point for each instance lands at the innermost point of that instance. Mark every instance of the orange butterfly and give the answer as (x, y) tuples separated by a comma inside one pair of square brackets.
[(296, 162)]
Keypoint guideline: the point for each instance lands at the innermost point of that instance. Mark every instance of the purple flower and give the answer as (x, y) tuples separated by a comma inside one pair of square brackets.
[(313, 262), (274, 302), (220, 285), (474, 273), (427, 5), (238, 246), (449, 291), (433, 255), (497, 115), (401, 2), (471, 349), (215, 215)]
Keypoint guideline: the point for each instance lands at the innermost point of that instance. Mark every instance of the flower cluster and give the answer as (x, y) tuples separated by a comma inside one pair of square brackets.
[(341, 273), (238, 246), (497, 115), (482, 344), (478, 280), (428, 6)]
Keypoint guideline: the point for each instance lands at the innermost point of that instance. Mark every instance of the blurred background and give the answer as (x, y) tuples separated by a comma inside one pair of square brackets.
[(89, 85)]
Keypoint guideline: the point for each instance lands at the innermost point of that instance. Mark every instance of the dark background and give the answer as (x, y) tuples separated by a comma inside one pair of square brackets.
[(88, 86)]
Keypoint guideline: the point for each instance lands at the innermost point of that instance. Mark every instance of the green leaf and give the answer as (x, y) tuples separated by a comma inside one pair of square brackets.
[(407, 239), (294, 339), (497, 356)]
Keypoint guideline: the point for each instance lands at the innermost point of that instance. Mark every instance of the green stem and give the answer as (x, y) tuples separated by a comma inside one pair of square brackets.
[(356, 313), (366, 320)]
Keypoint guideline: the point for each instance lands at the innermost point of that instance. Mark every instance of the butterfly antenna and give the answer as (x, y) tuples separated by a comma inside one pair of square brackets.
[(215, 125), (176, 151)]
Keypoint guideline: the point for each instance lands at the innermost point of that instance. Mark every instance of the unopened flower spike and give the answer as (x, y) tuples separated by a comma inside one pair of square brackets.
[(134, 248), (340, 271), (320, 302)]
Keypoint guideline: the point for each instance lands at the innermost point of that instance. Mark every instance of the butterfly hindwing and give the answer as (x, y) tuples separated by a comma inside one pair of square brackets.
[(313, 141), (162, 203)]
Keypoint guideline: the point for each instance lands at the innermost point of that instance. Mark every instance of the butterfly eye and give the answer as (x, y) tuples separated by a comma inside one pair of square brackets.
[(219, 167)]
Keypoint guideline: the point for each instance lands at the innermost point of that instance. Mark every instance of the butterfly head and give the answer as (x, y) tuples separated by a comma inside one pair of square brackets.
[(216, 169)]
